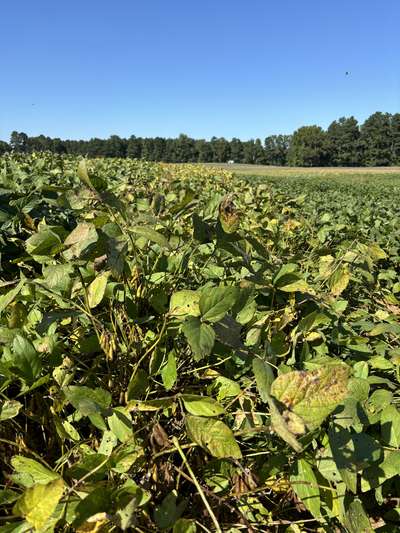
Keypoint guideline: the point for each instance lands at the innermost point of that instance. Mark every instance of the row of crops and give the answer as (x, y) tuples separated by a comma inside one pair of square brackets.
[(183, 349)]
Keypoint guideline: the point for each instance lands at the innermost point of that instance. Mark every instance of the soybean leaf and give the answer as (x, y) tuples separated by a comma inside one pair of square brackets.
[(201, 405), (305, 485), (264, 377), (184, 303), (312, 395), (38, 503), (355, 520), (151, 235), (9, 409), (169, 372), (28, 472), (216, 302), (213, 435), (26, 362), (97, 289), (200, 336), (390, 426)]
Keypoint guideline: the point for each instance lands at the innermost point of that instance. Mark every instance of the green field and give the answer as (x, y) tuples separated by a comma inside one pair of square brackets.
[(183, 348)]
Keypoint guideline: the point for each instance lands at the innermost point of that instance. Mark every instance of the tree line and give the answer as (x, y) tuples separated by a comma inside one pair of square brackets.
[(376, 142)]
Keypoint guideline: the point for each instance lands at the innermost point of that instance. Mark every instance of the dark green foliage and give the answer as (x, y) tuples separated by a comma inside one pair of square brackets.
[(309, 147), (344, 143), (341, 145)]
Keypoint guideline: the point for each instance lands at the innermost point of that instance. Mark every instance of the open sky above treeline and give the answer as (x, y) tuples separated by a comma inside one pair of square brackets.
[(228, 68)]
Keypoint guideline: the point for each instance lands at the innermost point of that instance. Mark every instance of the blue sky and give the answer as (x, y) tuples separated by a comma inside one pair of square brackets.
[(245, 68)]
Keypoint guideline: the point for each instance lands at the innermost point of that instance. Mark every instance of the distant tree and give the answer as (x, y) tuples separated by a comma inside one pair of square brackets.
[(249, 152), (4, 147), (19, 141), (204, 151), (395, 134), (236, 150), (259, 153), (308, 147), (185, 149), (115, 147), (276, 149), (221, 149), (376, 140), (58, 146), (343, 137), (134, 147)]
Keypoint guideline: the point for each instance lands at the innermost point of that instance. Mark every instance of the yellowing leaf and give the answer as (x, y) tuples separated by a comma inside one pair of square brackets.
[(184, 303), (97, 289), (339, 281), (312, 395), (38, 503)]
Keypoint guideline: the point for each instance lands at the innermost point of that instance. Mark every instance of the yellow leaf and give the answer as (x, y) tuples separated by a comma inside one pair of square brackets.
[(38, 503)]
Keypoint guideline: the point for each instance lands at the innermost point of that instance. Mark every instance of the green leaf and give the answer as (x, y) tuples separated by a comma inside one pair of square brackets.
[(184, 303), (92, 466), (378, 473), (200, 336), (28, 472), (57, 277), (225, 387), (390, 426), (305, 485), (355, 520), (6, 299), (96, 183), (312, 395), (151, 235), (87, 401), (38, 503), (184, 525), (215, 302), (120, 424), (264, 377), (214, 436), (45, 242), (169, 372), (352, 452), (97, 289), (138, 384), (26, 362), (288, 280), (166, 514), (98, 501), (9, 409), (201, 405)]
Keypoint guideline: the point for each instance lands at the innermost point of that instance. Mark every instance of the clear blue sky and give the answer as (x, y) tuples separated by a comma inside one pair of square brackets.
[(245, 68)]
